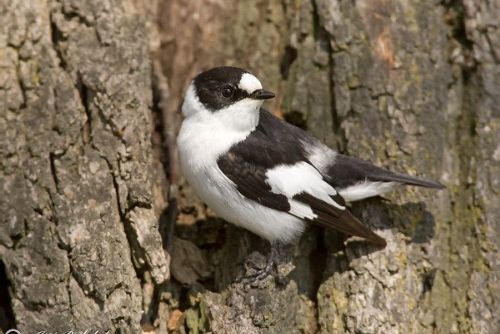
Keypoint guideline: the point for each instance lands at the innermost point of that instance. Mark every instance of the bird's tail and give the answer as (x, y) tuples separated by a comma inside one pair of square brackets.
[(347, 171), (409, 180)]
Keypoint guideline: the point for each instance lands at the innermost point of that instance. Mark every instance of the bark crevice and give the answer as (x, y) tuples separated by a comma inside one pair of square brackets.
[(7, 319)]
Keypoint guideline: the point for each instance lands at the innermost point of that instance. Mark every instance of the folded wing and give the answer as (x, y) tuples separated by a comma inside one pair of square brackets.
[(354, 179), (287, 182)]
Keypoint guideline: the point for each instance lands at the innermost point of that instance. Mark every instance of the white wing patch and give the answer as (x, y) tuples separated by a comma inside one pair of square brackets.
[(320, 155), (249, 83), (301, 210), (291, 180), (366, 189)]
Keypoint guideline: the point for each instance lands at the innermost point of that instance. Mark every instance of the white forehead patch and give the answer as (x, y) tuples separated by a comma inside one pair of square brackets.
[(249, 83)]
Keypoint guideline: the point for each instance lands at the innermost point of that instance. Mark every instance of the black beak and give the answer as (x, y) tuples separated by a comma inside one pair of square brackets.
[(261, 94)]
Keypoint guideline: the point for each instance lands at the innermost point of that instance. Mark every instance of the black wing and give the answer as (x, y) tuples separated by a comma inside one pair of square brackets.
[(246, 165), (340, 220), (343, 171), (250, 181)]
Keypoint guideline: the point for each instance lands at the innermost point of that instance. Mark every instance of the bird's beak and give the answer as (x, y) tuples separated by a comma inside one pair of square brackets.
[(261, 94)]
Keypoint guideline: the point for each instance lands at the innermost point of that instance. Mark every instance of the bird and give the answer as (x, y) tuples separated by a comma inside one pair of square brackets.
[(263, 174)]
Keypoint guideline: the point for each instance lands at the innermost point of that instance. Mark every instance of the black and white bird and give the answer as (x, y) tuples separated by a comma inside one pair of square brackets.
[(265, 175)]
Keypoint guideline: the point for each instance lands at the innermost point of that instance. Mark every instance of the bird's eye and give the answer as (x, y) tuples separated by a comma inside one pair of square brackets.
[(227, 91)]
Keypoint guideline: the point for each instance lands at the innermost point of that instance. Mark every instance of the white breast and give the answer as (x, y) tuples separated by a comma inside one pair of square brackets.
[(202, 139)]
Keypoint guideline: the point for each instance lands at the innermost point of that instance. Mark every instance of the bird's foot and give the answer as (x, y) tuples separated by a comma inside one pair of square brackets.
[(257, 269), (258, 272)]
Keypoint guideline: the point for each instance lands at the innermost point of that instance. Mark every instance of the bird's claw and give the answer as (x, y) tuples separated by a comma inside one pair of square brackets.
[(258, 275)]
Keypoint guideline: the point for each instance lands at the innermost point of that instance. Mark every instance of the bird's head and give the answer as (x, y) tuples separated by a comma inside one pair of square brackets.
[(227, 91)]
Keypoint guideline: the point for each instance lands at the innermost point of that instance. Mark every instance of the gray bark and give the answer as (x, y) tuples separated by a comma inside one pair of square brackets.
[(411, 86), (78, 226)]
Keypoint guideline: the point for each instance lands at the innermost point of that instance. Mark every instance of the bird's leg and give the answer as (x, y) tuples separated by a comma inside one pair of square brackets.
[(272, 258), (267, 270)]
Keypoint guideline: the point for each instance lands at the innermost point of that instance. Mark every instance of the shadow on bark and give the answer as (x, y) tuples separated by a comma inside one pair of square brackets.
[(6, 313), (232, 252)]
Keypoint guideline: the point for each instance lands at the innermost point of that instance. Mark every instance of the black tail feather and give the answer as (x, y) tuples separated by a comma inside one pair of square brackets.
[(408, 180), (347, 171)]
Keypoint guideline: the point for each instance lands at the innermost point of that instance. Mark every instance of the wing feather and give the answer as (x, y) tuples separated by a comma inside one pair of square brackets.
[(287, 182), (339, 170), (340, 220)]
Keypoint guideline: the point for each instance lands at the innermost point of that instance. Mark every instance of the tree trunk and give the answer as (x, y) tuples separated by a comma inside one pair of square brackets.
[(410, 86), (79, 224)]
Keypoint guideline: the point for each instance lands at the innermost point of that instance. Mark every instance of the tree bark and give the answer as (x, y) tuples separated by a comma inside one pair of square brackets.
[(79, 227), (410, 86)]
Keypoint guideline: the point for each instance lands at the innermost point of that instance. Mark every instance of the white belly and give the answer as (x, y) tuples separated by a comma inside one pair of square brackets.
[(198, 160)]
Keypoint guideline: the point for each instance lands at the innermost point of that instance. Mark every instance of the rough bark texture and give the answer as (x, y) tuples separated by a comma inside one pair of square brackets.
[(78, 227), (413, 86)]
